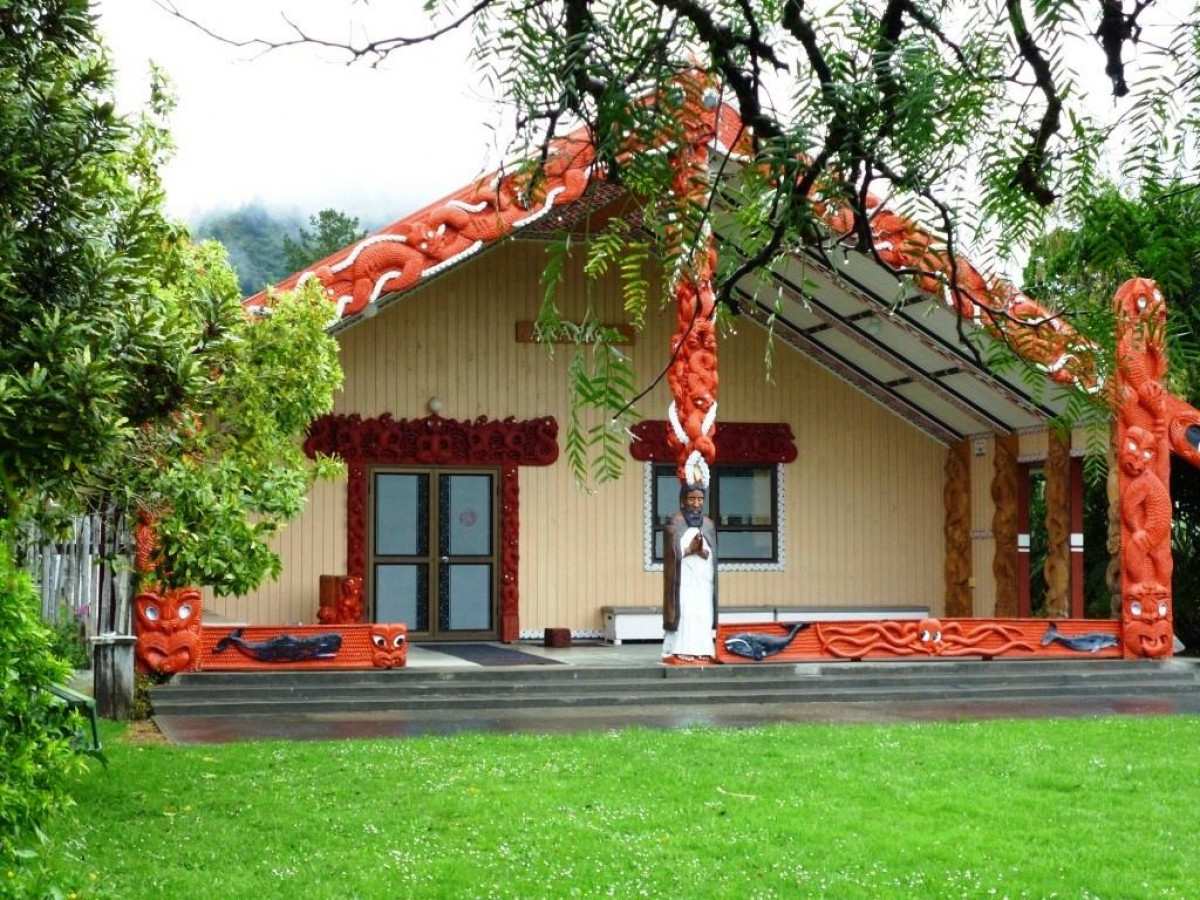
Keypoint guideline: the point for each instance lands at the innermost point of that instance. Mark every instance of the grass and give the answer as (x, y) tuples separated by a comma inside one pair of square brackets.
[(1078, 808)]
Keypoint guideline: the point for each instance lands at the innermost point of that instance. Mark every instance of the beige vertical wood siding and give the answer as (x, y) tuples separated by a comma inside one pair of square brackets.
[(863, 500)]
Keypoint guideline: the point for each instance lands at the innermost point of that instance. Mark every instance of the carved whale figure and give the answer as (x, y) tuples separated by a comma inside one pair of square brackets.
[(1084, 643), (283, 647), (759, 646)]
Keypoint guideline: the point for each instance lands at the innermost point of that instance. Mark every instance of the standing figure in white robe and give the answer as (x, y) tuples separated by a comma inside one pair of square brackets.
[(690, 580)]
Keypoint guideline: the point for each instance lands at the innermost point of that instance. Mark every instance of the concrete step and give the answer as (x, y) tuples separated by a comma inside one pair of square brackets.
[(516, 685), (795, 691)]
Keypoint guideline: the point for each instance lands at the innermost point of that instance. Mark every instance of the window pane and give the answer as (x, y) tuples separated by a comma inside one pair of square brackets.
[(466, 510), (735, 545), (745, 496), (400, 596), (658, 545), (401, 515), (666, 493)]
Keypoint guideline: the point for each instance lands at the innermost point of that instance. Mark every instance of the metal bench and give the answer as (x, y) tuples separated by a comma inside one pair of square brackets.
[(86, 707)]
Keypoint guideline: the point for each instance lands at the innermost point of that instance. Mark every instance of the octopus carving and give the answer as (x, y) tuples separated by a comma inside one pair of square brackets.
[(1144, 469), (926, 637), (389, 646), (167, 625), (349, 606)]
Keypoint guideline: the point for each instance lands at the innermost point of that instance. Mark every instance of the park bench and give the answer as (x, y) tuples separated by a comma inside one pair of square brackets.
[(86, 706)]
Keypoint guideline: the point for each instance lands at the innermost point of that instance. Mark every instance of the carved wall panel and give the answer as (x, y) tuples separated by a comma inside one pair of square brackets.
[(957, 498), (1005, 495), (1058, 526), (752, 443)]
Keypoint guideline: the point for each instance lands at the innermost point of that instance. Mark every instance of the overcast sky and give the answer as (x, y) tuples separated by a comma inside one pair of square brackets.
[(298, 128)]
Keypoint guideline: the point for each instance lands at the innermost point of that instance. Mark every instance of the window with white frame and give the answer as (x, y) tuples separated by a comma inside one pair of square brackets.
[(745, 503)]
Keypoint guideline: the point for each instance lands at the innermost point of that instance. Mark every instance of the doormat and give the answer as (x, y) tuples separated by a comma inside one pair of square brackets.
[(487, 655)]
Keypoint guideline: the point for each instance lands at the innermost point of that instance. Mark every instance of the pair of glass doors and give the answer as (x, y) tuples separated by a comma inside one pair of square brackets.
[(433, 544)]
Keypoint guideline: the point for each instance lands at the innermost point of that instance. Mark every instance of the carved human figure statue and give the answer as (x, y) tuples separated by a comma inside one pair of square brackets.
[(689, 581)]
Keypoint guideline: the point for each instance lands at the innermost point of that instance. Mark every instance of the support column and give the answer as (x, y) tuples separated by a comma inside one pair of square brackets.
[(1145, 470), (1006, 494), (1077, 599), (1058, 526), (1024, 539), (956, 495)]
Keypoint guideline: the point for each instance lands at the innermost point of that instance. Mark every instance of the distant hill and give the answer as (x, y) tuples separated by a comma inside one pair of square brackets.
[(266, 246), (254, 238)]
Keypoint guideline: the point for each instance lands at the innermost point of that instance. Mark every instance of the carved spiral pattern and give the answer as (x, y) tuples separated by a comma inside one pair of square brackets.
[(957, 498), (1005, 492), (510, 553), (1058, 528), (693, 372)]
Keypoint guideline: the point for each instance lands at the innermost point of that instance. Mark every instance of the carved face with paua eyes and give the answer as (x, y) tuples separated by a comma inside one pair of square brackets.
[(1138, 451), (1147, 629), (389, 646), (168, 629)]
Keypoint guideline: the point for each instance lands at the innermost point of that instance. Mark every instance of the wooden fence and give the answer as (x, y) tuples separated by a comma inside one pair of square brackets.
[(84, 574)]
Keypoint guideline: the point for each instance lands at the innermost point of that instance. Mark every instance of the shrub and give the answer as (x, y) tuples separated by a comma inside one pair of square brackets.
[(35, 729)]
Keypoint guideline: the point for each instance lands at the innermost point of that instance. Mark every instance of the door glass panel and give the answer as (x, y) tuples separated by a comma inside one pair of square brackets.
[(466, 598), (466, 508), (401, 593), (401, 515)]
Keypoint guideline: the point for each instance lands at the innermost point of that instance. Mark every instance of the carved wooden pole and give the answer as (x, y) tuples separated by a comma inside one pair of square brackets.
[(1058, 526), (1005, 491), (1143, 453), (956, 495), (692, 415)]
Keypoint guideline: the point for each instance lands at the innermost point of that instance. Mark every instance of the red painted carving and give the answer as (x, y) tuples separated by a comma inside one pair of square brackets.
[(437, 441), (1143, 455), (692, 374), (349, 607), (434, 441), (510, 554), (167, 626), (932, 638), (145, 540), (928, 637), (356, 652), (1182, 416), (389, 646), (397, 257), (751, 443)]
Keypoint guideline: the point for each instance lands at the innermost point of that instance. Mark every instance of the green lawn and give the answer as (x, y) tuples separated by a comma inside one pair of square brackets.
[(1072, 808)]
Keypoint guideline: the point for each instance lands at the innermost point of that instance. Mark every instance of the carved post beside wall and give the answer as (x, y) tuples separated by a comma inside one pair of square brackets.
[(1005, 494), (956, 495), (1058, 526)]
